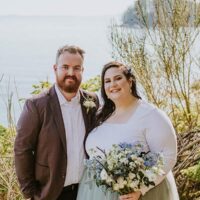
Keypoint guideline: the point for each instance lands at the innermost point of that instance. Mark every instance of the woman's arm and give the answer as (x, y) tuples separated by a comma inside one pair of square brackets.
[(161, 137)]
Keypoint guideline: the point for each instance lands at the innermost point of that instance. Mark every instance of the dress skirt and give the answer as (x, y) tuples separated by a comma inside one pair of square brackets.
[(88, 190)]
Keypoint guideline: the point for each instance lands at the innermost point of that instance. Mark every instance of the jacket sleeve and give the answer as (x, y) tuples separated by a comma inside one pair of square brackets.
[(28, 128)]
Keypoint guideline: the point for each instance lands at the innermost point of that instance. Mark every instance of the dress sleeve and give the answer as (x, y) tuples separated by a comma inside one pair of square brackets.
[(161, 137)]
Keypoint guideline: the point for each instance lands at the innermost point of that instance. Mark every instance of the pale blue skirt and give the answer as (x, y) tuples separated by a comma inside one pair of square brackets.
[(88, 190)]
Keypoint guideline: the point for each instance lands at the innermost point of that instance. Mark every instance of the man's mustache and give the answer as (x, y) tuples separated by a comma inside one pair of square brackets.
[(70, 77)]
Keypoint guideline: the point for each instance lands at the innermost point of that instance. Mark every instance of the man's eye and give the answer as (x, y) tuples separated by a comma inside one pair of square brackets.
[(77, 68), (65, 67)]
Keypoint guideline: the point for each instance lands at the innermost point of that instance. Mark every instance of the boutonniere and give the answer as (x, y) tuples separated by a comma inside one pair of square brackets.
[(89, 103)]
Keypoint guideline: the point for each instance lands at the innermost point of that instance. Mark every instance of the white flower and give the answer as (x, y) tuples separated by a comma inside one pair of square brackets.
[(103, 175), (158, 170), (139, 160), (124, 160), (131, 175), (121, 182), (150, 174), (92, 152), (134, 184), (109, 180), (110, 166), (89, 103), (134, 157), (132, 164), (116, 187)]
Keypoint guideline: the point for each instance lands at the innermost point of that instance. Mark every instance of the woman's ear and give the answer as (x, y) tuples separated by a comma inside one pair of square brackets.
[(130, 82)]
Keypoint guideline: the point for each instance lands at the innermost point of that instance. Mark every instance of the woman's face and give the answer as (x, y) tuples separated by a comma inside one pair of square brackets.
[(116, 86)]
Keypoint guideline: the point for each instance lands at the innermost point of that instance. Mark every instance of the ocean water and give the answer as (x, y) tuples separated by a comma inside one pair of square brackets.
[(28, 47)]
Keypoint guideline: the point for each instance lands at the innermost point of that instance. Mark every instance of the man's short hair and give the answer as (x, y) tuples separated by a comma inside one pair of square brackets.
[(71, 49)]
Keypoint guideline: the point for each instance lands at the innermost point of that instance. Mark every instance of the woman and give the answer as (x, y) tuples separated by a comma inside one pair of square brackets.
[(125, 117)]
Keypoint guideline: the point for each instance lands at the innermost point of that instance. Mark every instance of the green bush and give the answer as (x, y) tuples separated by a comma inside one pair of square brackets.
[(193, 173), (9, 188)]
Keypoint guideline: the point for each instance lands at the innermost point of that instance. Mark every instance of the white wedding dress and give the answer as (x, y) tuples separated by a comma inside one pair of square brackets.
[(147, 125)]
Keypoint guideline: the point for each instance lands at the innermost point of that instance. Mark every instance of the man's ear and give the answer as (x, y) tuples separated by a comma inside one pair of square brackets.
[(55, 67), (83, 69)]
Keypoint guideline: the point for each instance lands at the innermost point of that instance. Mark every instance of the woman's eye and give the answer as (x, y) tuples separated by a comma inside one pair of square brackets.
[(119, 78), (107, 81)]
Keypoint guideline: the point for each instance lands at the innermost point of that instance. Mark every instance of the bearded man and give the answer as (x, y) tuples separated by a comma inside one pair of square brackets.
[(49, 149)]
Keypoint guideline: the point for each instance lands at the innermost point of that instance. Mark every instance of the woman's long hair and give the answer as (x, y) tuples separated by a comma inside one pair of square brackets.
[(109, 107)]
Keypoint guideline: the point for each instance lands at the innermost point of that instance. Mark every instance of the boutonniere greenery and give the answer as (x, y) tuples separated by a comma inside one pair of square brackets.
[(89, 103)]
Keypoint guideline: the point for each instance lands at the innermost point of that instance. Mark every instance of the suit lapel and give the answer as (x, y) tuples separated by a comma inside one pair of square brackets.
[(84, 109), (57, 115)]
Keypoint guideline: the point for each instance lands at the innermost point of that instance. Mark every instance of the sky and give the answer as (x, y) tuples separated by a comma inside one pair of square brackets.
[(64, 7)]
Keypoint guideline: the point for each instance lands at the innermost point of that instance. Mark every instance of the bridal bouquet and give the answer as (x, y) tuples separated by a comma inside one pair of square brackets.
[(125, 168)]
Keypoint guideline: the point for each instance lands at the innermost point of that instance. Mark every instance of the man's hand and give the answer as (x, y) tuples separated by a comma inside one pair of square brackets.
[(131, 196)]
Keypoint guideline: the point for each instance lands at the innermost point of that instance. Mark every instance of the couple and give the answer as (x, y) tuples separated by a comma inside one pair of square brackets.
[(57, 129)]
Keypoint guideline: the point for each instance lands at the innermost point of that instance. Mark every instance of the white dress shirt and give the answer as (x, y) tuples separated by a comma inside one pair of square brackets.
[(75, 132)]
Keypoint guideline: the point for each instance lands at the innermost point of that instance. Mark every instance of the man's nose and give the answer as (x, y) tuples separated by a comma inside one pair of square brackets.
[(70, 71)]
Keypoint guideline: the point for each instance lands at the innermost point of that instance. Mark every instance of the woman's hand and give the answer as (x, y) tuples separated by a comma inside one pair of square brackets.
[(130, 196)]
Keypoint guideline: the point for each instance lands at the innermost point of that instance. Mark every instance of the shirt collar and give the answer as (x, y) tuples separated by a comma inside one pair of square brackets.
[(62, 100)]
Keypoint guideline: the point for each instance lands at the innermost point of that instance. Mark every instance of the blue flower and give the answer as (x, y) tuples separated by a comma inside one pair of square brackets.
[(125, 145)]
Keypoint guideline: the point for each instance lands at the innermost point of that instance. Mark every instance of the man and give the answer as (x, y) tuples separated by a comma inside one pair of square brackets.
[(51, 130)]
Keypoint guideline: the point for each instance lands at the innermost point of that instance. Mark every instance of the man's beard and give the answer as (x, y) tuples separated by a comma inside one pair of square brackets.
[(70, 87)]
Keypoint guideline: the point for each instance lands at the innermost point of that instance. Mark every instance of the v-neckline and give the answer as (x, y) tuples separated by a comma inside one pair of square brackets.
[(129, 119)]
